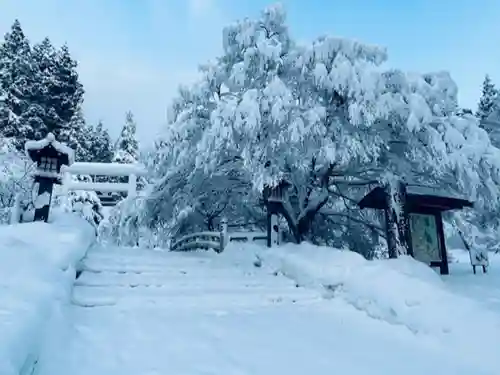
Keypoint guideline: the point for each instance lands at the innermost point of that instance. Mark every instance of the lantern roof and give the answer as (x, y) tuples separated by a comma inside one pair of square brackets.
[(49, 147)]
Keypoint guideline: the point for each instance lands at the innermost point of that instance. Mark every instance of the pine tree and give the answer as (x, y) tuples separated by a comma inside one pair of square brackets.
[(127, 148), (18, 115), (103, 149), (77, 135), (58, 89), (66, 92), (487, 101), (39, 89)]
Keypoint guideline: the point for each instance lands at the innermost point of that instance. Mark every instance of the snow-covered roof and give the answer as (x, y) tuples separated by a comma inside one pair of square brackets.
[(418, 196), (106, 169), (50, 139), (432, 190)]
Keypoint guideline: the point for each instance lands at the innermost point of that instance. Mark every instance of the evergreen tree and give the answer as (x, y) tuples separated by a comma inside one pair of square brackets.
[(127, 148), (19, 116), (57, 88), (66, 92), (103, 148), (487, 100), (39, 89), (77, 135)]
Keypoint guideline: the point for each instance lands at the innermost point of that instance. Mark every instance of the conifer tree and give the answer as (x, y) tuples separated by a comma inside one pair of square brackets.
[(103, 147), (487, 100), (127, 148), (18, 114)]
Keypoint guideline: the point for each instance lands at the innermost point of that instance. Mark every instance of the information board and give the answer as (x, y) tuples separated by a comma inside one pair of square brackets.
[(424, 237)]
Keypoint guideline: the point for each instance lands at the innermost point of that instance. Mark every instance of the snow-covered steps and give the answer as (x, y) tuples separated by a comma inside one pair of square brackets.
[(129, 277), (141, 312)]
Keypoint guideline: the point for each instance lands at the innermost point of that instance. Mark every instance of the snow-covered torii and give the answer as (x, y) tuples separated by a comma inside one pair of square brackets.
[(132, 171)]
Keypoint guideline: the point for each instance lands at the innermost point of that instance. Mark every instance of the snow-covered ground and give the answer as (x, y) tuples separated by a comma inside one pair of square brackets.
[(37, 268), (296, 310), (484, 288)]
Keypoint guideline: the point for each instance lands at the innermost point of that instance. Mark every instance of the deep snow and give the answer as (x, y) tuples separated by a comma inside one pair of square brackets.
[(139, 311), (37, 268)]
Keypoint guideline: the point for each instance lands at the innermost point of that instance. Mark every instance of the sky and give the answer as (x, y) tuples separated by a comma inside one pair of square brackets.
[(133, 54)]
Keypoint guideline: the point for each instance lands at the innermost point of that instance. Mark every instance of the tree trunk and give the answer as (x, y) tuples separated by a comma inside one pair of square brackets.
[(397, 224), (304, 222), (301, 226)]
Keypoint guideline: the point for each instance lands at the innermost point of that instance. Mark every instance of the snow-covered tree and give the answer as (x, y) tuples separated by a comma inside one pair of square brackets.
[(15, 177), (487, 100), (58, 89), (20, 117), (102, 148), (127, 148), (40, 88), (325, 119)]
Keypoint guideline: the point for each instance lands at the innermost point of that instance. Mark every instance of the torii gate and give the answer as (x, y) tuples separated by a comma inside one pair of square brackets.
[(132, 171)]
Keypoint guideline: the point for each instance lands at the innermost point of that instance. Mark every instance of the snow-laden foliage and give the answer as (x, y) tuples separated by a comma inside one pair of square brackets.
[(324, 118), (40, 89), (85, 203), (127, 148), (15, 178), (122, 225), (489, 95)]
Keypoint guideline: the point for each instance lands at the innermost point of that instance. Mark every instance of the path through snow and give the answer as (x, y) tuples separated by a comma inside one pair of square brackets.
[(139, 312)]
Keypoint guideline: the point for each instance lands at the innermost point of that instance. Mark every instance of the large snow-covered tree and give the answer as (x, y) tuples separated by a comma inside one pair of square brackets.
[(326, 119)]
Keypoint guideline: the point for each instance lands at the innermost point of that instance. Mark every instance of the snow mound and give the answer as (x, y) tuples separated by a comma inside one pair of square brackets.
[(400, 292), (37, 264)]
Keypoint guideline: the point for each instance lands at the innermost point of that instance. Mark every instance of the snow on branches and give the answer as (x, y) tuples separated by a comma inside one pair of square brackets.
[(317, 116)]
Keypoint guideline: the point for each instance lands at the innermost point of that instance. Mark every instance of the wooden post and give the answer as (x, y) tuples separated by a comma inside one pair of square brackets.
[(275, 230), (132, 186), (224, 238), (444, 268)]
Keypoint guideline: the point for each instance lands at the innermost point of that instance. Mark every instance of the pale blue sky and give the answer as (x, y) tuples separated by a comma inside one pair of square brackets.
[(134, 53)]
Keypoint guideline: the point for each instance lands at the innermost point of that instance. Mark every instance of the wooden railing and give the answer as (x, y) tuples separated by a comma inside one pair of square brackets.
[(216, 241), (200, 241)]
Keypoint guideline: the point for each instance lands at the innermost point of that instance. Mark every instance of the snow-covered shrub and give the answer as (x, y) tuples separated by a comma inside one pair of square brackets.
[(15, 179), (86, 203), (123, 224)]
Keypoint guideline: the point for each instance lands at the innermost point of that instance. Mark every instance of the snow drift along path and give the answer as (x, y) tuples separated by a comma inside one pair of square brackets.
[(150, 313), (37, 269)]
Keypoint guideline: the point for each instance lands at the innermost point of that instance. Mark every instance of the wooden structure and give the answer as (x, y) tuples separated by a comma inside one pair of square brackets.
[(421, 228), (273, 197), (49, 156), (216, 241)]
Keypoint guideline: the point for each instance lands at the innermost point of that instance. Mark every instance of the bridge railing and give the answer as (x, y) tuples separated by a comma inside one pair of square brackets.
[(216, 241)]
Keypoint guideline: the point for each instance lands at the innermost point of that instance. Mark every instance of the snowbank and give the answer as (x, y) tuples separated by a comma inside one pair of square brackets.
[(400, 292), (37, 268)]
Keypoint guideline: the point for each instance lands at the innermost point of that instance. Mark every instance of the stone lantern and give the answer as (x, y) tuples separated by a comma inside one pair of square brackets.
[(49, 156)]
